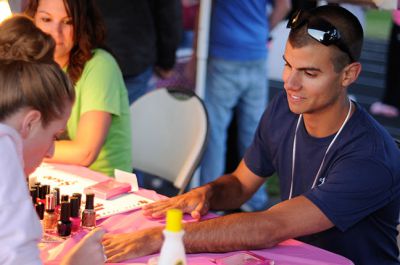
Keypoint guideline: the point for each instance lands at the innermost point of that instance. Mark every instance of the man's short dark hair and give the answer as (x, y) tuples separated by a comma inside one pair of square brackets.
[(351, 33)]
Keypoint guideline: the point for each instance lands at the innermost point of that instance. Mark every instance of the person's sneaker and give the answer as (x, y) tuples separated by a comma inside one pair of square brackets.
[(379, 108)]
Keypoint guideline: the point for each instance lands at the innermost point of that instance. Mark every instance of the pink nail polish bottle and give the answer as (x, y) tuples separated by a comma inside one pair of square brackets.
[(75, 217)]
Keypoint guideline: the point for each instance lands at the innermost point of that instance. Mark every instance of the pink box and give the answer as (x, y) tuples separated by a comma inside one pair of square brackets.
[(108, 189)]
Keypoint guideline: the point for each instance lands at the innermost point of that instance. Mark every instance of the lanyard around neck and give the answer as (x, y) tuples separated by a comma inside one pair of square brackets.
[(326, 152)]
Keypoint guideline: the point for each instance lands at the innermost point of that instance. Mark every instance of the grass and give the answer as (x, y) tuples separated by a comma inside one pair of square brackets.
[(378, 24)]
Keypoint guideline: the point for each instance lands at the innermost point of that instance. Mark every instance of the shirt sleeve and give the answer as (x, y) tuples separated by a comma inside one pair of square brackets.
[(354, 189), (20, 228), (101, 83), (259, 155)]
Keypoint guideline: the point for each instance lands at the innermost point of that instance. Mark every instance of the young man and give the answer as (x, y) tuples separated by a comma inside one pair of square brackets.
[(339, 169)]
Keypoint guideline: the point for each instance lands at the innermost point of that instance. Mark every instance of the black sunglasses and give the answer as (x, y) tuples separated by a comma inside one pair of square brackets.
[(320, 30)]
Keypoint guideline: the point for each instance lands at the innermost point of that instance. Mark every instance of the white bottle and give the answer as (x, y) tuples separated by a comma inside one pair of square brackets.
[(173, 250)]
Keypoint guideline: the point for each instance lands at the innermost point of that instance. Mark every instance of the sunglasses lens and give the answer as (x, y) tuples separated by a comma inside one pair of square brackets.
[(318, 35)]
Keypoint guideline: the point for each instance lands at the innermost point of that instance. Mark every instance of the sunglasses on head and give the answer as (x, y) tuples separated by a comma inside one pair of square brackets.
[(320, 30)]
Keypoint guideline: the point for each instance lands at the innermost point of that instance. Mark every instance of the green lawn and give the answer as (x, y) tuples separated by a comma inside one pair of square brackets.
[(378, 24)]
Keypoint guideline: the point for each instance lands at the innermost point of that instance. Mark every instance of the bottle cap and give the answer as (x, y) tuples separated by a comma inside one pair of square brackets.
[(79, 196), (43, 191), (65, 211), (56, 192), (33, 192), (40, 210), (50, 202), (64, 198), (74, 206), (89, 201), (174, 220)]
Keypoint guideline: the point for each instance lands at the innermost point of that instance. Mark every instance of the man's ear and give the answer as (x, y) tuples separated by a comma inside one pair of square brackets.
[(351, 73), (30, 122)]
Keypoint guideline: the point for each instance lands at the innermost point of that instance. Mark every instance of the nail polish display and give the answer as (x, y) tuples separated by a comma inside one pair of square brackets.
[(64, 225), (89, 214)]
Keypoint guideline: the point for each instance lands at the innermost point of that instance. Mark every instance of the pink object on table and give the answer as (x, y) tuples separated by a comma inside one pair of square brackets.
[(107, 189), (289, 252)]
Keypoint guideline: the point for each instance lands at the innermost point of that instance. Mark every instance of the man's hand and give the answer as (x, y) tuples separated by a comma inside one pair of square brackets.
[(195, 202), (89, 248), (119, 247)]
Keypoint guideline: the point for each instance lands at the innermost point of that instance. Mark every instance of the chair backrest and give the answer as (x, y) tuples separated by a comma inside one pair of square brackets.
[(169, 133)]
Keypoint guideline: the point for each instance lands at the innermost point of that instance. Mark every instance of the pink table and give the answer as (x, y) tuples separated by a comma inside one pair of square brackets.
[(290, 252)]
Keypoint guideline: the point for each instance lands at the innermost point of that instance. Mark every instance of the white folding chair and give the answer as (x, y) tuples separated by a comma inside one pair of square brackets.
[(169, 133)]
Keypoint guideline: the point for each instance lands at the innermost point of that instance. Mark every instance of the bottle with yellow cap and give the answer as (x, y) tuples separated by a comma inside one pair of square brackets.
[(173, 250)]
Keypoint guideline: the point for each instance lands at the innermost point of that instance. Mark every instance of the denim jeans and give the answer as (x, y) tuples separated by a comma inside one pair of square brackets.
[(138, 85), (240, 86)]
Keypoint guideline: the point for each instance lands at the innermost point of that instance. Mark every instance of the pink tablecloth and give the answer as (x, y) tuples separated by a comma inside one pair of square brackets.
[(290, 252)]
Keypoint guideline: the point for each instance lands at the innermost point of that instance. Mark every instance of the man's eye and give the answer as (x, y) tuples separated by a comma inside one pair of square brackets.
[(311, 74)]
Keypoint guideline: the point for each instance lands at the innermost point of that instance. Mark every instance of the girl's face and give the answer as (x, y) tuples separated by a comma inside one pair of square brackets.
[(39, 142), (52, 17)]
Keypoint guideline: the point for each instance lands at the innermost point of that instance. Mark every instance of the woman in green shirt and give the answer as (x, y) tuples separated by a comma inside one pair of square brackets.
[(99, 126)]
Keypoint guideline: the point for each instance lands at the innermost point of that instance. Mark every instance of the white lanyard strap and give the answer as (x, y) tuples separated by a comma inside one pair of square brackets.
[(326, 152)]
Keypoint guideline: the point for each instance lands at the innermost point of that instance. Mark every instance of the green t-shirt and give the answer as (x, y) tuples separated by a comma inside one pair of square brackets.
[(102, 88)]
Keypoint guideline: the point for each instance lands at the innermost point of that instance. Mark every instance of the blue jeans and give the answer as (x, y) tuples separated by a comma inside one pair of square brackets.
[(138, 85), (233, 85)]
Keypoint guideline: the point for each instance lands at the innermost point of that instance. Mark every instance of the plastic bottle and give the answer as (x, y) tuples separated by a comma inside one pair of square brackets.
[(173, 250)]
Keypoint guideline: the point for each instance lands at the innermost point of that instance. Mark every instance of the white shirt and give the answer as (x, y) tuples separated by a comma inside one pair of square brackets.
[(20, 229)]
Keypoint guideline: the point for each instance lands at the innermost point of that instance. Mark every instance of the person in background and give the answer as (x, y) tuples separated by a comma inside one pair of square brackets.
[(390, 106), (144, 36), (99, 127), (36, 100), (237, 79), (338, 168)]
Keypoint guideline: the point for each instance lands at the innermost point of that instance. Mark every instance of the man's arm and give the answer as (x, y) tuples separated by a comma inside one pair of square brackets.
[(168, 27), (288, 219), (281, 9), (227, 192)]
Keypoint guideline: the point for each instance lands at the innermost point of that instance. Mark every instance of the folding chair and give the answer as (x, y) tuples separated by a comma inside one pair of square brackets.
[(169, 133)]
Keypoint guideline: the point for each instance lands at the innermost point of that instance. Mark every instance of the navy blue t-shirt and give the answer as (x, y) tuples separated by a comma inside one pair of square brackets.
[(358, 188)]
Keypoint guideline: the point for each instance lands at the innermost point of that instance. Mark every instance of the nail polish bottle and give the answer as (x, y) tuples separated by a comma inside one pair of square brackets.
[(75, 216), (89, 214), (40, 210), (79, 196), (57, 209), (33, 192), (50, 218), (43, 191), (64, 225)]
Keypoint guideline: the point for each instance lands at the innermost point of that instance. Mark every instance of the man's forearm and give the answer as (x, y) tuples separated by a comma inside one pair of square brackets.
[(226, 193), (281, 9), (231, 232)]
